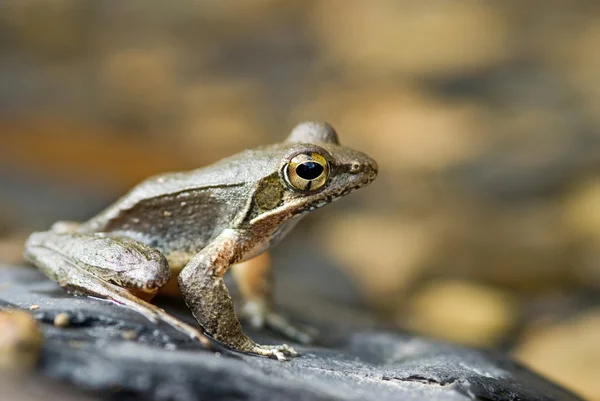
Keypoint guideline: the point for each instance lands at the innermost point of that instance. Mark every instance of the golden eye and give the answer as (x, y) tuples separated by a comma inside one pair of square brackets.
[(307, 172)]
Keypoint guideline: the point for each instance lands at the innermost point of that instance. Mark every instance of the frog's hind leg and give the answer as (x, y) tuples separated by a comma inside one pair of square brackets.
[(255, 281), (108, 268)]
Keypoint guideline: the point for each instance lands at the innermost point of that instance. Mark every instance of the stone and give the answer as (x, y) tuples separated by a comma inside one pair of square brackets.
[(353, 360), (61, 320)]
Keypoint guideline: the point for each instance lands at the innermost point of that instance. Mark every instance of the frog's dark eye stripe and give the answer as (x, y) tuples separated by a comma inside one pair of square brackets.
[(306, 172)]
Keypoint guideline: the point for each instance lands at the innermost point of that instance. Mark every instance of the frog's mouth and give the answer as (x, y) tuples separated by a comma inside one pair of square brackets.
[(362, 175), (300, 208), (342, 194)]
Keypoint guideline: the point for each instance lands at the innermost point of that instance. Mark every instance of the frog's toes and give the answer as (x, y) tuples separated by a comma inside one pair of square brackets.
[(279, 352)]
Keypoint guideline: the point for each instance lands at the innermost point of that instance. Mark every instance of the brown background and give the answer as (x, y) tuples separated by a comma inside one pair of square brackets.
[(484, 225)]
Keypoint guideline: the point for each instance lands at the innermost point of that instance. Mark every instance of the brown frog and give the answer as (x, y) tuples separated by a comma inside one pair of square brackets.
[(198, 224)]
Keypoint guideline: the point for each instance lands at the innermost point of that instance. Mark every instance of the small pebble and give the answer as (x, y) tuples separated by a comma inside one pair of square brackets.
[(129, 335), (34, 307), (61, 320), (166, 213)]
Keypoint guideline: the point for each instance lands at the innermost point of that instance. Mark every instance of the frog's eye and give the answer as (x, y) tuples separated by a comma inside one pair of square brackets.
[(307, 172)]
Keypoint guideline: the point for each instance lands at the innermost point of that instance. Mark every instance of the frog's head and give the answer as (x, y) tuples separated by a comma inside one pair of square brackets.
[(317, 170)]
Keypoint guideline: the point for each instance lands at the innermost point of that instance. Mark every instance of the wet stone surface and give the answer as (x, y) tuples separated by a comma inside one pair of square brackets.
[(109, 350)]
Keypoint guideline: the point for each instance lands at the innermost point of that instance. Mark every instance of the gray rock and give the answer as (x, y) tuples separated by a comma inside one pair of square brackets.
[(354, 360)]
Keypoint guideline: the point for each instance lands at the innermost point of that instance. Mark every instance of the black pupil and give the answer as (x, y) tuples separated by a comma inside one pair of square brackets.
[(309, 170)]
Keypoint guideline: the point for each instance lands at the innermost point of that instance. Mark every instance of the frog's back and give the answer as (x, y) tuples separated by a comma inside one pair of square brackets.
[(183, 211)]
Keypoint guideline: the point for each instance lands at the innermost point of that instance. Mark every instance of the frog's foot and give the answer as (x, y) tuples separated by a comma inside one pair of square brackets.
[(279, 352), (260, 316)]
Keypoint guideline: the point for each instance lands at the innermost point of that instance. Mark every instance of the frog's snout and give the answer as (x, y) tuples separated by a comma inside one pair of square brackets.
[(372, 169), (365, 166)]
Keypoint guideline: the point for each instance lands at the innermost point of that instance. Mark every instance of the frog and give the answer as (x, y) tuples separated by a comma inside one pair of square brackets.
[(194, 226)]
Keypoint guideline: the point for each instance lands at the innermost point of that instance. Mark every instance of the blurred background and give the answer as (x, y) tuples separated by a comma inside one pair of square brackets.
[(484, 225)]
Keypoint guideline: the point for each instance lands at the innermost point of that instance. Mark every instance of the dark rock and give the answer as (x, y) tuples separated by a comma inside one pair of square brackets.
[(354, 361)]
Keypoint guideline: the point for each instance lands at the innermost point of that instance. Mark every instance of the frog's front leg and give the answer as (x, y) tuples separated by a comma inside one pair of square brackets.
[(204, 291), (105, 267), (254, 279)]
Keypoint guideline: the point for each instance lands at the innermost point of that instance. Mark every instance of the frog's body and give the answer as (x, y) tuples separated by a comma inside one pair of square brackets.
[(179, 213), (204, 221)]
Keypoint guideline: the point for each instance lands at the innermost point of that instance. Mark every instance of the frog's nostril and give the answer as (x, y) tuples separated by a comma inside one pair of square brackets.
[(355, 168), (363, 165)]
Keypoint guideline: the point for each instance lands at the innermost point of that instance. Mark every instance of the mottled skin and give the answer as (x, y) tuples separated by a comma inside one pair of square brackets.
[(198, 224)]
